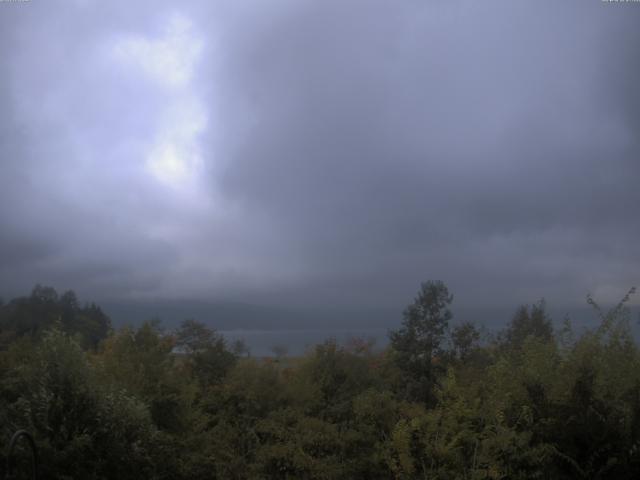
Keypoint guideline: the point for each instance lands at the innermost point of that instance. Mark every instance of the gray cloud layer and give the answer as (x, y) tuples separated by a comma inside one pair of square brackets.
[(351, 150)]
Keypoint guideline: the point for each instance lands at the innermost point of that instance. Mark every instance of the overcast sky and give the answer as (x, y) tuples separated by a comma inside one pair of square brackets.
[(320, 152)]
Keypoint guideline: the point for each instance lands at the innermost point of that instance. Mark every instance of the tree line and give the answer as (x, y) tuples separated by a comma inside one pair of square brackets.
[(442, 401)]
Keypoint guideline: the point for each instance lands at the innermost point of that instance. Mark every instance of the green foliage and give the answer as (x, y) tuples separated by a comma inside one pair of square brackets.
[(44, 309), (140, 361), (147, 403), (417, 345), (83, 429), (528, 321), (464, 338), (206, 353)]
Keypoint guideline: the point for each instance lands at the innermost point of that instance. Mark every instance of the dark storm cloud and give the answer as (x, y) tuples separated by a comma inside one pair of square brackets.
[(351, 151), (480, 143)]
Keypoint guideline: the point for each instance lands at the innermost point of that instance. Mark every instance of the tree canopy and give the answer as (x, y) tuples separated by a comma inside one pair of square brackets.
[(439, 402)]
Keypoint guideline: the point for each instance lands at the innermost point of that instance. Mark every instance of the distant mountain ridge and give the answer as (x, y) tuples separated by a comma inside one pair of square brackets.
[(237, 315)]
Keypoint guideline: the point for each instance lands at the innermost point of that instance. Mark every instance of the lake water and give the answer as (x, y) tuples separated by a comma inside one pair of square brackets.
[(296, 342)]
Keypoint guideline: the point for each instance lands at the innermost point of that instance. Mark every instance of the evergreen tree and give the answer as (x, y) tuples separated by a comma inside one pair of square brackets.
[(529, 321), (417, 345)]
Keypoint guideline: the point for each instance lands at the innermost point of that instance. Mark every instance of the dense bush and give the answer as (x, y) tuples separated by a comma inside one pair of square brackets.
[(438, 403)]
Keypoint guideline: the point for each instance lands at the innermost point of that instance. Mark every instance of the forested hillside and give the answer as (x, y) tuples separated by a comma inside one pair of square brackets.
[(441, 402)]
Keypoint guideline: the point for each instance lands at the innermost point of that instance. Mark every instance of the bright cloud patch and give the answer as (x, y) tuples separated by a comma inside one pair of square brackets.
[(170, 60), (175, 158)]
